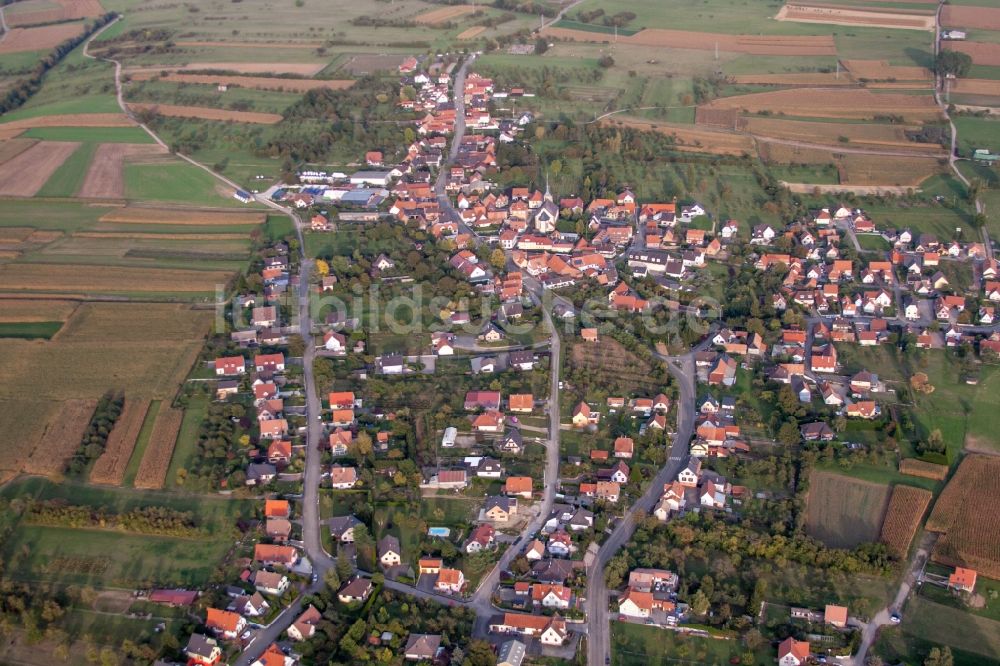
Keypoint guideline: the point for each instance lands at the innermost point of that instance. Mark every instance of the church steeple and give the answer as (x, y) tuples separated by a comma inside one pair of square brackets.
[(548, 193)]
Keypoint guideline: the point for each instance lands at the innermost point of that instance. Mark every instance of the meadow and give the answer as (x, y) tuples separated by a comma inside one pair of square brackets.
[(974, 640), (639, 645), (842, 511)]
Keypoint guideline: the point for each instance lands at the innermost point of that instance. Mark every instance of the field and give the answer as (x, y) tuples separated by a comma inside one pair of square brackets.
[(177, 182), (179, 217), (881, 70), (121, 134), (853, 16), (970, 536), (11, 148), (979, 18), (826, 103), (808, 79), (857, 134), (26, 174), (156, 459), (76, 279), (976, 87), (638, 645), (682, 39), (70, 120), (105, 175), (302, 69), (255, 82), (436, 17), (41, 11), (110, 466), (60, 438), (67, 179), (472, 33), (842, 511), (35, 310), (902, 517), (208, 113), (974, 640), (981, 52), (856, 169), (691, 138), (612, 368), (46, 37), (926, 470)]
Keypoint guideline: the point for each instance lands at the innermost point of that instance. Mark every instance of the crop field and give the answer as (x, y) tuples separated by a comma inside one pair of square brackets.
[(156, 458), (109, 469), (806, 79), (980, 18), (73, 279), (442, 15), (68, 178), (105, 175), (34, 309), (826, 103), (907, 506), (842, 511), (689, 137), (11, 148), (875, 135), (208, 113), (976, 87), (255, 82), (981, 52), (854, 169), (970, 536), (27, 173), (33, 12), (300, 68), (881, 70), (45, 37), (471, 33), (60, 438), (70, 120), (925, 470), (853, 16), (87, 134), (179, 217), (682, 39)]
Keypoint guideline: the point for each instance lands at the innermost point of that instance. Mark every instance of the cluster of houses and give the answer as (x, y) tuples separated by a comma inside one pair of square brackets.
[(650, 597)]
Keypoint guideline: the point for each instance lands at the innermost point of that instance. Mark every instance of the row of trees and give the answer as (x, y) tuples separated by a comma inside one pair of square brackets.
[(158, 520), (108, 409)]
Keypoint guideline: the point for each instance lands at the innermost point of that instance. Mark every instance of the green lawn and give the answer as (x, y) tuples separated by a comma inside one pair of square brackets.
[(68, 178), (880, 475), (976, 133), (141, 442), (90, 134), (187, 439), (639, 645), (987, 588), (445, 511), (870, 242), (174, 182), (29, 330), (974, 640), (934, 219), (97, 103)]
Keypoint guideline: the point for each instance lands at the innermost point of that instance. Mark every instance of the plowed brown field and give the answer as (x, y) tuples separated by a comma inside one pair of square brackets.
[(964, 16), (976, 86), (70, 120), (881, 70), (30, 13), (60, 438), (810, 79), (139, 215), (472, 33), (41, 38), (970, 528), (981, 52), (104, 179), (827, 103), (11, 148), (256, 82), (683, 39), (444, 14), (208, 113), (859, 16), (24, 175)]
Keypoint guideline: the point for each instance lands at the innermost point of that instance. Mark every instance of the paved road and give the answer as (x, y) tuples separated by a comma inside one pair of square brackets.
[(598, 615), (448, 211)]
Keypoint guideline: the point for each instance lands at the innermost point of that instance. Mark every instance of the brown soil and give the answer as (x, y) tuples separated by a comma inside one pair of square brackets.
[(105, 177), (42, 38), (207, 113), (982, 53), (853, 16), (24, 175), (980, 18)]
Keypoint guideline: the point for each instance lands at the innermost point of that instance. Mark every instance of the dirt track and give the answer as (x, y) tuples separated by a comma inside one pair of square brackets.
[(683, 39), (208, 113), (26, 173), (104, 178)]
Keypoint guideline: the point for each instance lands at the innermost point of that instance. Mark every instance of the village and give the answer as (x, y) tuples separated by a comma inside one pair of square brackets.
[(541, 516)]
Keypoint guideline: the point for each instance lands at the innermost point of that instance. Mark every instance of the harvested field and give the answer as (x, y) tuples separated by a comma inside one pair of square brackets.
[(725, 118), (110, 466), (15, 234), (156, 459), (690, 138), (436, 17), (70, 120), (902, 517), (855, 16), (881, 70), (964, 16), (26, 173), (67, 278), (124, 235), (190, 43), (60, 438), (862, 190), (255, 82), (981, 52), (705, 41), (368, 63), (976, 87), (302, 68), (832, 103), (22, 420), (208, 113), (970, 533), (808, 79), (104, 179), (8, 133), (855, 169), (11, 148), (472, 33), (35, 309), (842, 511), (34, 12), (860, 135), (173, 216), (926, 470), (19, 40)]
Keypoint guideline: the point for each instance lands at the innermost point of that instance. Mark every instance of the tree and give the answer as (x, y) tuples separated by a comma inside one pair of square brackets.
[(322, 268), (344, 568), (700, 604), (788, 433), (364, 443), (332, 578), (939, 657), (497, 259), (479, 653), (953, 62), (555, 168), (606, 61), (541, 45)]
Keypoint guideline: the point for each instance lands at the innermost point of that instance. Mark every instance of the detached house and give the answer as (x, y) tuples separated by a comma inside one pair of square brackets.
[(225, 624)]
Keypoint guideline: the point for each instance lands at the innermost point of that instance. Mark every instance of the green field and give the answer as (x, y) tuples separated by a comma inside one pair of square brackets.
[(177, 182), (639, 645), (29, 330), (72, 105), (976, 133), (90, 134), (186, 447), (68, 178), (973, 640)]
